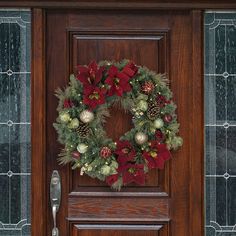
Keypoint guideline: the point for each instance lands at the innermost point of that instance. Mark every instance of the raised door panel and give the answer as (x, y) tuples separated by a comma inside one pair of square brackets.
[(116, 230), (145, 47)]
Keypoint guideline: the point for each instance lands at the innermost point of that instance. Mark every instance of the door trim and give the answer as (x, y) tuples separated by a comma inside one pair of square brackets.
[(38, 121), (139, 5), (196, 187)]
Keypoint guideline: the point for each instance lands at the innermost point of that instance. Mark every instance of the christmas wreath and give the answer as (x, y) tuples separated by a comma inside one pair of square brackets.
[(83, 109)]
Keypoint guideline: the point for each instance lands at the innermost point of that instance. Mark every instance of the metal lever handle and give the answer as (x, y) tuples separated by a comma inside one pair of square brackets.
[(55, 197), (55, 231)]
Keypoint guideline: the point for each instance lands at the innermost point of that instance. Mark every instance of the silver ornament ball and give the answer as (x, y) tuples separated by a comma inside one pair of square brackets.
[(86, 116), (141, 138)]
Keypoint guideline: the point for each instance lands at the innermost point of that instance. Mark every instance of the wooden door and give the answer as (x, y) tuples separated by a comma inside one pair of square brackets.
[(165, 41)]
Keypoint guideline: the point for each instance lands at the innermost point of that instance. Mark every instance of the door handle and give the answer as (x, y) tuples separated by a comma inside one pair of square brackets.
[(55, 197)]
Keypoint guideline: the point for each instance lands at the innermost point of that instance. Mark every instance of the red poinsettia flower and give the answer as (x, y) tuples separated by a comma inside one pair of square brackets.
[(159, 136), (132, 173), (93, 96), (157, 155), (118, 80), (68, 103), (125, 152), (130, 69), (90, 75), (111, 179), (161, 101)]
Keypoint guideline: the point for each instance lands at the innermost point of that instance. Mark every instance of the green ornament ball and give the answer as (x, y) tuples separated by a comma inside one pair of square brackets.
[(158, 123), (143, 105), (177, 142), (82, 148), (74, 124), (105, 170), (64, 117)]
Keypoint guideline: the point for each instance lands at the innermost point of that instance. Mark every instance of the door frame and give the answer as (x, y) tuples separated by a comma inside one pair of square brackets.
[(126, 4), (38, 98), (38, 124)]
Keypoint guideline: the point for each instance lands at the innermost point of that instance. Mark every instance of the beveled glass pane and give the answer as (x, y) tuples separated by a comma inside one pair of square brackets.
[(220, 200), (231, 98), (4, 96), (232, 200), (215, 150), (210, 231), (20, 98), (20, 198), (15, 155), (20, 148), (230, 48), (4, 148), (220, 49), (4, 199), (215, 99), (231, 151), (4, 47)]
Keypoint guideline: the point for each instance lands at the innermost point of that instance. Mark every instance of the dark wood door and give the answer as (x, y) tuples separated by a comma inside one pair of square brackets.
[(165, 41)]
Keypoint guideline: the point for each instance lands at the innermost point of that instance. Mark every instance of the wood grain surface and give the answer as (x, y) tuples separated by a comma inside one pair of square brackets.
[(38, 121), (118, 209)]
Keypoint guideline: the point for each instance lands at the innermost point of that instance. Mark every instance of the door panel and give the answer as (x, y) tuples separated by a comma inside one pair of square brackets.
[(120, 230), (162, 41), (144, 47)]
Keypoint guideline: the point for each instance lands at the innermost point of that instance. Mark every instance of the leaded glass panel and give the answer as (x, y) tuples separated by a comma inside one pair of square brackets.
[(220, 123), (15, 28)]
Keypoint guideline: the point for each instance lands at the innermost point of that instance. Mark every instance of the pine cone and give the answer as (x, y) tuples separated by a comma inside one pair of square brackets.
[(153, 110), (147, 87), (83, 130)]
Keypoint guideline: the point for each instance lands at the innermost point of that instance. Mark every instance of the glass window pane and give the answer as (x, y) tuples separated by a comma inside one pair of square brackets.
[(220, 123), (15, 154)]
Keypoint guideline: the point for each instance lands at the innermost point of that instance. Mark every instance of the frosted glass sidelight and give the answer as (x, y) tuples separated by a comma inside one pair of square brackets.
[(15, 154), (220, 123)]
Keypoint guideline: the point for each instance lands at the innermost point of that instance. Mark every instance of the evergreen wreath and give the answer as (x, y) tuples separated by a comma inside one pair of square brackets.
[(83, 109)]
